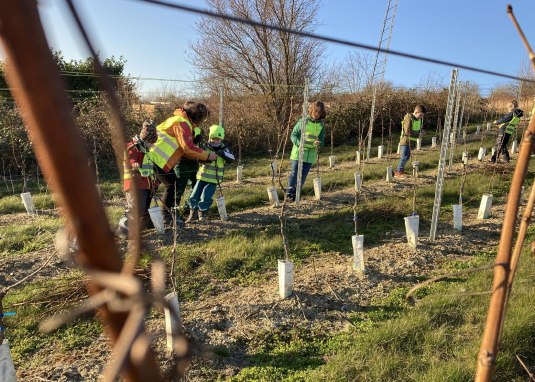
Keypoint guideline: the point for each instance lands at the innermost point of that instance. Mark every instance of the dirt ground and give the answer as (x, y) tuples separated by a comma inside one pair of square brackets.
[(326, 288)]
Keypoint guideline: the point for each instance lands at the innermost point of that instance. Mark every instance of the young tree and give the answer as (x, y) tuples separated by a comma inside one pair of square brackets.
[(256, 58)]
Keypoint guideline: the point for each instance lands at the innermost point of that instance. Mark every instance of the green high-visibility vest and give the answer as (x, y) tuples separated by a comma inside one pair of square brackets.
[(511, 125), (416, 126), (212, 172), (312, 132)]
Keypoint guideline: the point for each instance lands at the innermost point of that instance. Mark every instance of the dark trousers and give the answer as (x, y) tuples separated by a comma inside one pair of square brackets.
[(185, 170), (144, 198), (501, 146), (169, 181)]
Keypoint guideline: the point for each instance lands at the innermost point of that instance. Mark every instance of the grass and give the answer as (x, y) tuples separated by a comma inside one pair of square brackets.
[(32, 235), (436, 340), (13, 203), (247, 257), (244, 257), (38, 300)]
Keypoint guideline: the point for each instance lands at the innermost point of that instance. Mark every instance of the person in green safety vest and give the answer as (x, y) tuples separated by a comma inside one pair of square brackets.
[(411, 130), (314, 137), (506, 127), (186, 171), (210, 175), (139, 177)]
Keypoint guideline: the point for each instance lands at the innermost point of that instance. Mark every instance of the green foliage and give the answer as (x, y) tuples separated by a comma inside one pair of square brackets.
[(91, 114), (81, 79), (221, 351)]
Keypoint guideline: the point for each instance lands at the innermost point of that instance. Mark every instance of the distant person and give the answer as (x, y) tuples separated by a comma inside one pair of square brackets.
[(506, 128), (314, 137), (139, 178), (186, 171), (209, 175), (411, 130), (175, 140)]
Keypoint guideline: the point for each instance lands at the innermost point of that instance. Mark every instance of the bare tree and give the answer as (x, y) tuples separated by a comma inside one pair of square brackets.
[(356, 70), (256, 58)]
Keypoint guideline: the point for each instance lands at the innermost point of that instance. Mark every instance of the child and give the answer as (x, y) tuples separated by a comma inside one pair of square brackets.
[(410, 131), (140, 177), (210, 175), (314, 137), (507, 126)]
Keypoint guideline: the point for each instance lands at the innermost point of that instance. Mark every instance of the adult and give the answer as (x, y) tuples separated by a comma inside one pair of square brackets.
[(506, 127), (186, 172), (175, 140)]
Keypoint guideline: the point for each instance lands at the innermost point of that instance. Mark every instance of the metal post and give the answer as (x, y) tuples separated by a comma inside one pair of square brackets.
[(221, 96), (302, 143), (443, 154), (464, 96), (379, 66), (457, 96)]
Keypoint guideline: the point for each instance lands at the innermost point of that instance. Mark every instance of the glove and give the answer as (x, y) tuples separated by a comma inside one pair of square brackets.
[(227, 156)]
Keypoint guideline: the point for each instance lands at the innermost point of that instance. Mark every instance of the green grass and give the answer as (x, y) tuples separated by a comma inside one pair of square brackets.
[(245, 257), (391, 340), (13, 203), (436, 340), (33, 303), (30, 236)]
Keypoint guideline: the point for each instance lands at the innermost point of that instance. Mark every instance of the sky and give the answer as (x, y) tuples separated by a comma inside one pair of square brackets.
[(153, 40)]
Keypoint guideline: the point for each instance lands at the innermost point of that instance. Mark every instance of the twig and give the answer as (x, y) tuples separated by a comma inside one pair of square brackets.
[(332, 291), (6, 289), (300, 306), (449, 275), (531, 376)]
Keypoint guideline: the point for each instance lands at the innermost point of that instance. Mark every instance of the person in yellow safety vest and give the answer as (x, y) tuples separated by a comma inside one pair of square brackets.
[(175, 140), (411, 131), (186, 171), (506, 128), (209, 175), (139, 177), (314, 137)]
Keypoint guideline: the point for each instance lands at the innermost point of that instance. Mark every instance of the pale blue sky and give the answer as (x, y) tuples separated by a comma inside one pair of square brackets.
[(153, 39)]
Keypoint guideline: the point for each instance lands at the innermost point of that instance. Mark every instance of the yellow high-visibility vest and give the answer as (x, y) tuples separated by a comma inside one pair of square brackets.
[(212, 172), (166, 145)]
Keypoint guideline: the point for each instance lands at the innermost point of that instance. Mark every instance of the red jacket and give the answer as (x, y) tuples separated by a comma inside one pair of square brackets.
[(136, 155)]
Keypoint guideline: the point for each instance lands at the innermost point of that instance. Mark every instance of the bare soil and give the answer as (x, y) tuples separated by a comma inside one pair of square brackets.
[(326, 288)]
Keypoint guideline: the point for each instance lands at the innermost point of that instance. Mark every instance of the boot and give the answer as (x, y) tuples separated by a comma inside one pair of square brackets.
[(203, 216), (191, 216)]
